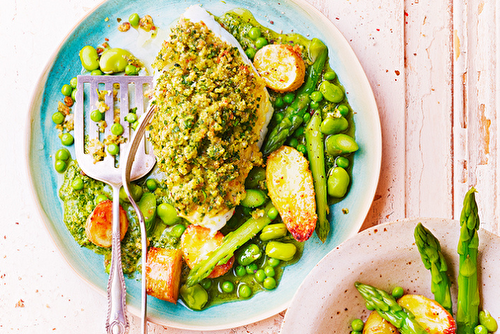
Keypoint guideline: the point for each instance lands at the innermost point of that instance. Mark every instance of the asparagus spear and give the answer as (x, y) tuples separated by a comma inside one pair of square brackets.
[(316, 154), (389, 309), (433, 259), (468, 291), (231, 243), (293, 117)]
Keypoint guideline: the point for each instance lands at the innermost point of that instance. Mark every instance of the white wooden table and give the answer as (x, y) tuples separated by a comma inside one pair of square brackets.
[(432, 66)]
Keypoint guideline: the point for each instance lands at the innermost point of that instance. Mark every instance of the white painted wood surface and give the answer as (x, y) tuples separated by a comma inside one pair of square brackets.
[(433, 69)]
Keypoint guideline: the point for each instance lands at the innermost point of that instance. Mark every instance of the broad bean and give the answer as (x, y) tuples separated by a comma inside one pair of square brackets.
[(248, 254), (195, 297), (488, 321), (255, 177), (114, 60), (147, 205), (331, 92), (89, 58), (167, 213), (253, 198), (340, 144), (280, 250), (331, 125), (135, 191), (338, 182), (273, 231)]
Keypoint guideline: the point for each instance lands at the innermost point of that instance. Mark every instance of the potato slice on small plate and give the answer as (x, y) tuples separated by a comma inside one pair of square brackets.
[(291, 190)]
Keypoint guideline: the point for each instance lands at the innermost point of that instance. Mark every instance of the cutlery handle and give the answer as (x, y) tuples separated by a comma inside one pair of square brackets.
[(116, 322)]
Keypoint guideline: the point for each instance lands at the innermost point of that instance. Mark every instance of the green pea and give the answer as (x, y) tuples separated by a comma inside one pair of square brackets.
[(299, 132), (273, 231), (244, 291), (134, 19), (260, 42), (343, 109), (316, 96), (151, 184), (289, 97), (67, 139), (63, 154), (340, 144), (280, 250), (117, 129), (307, 118), (250, 52), (293, 142), (480, 329), (58, 117), (331, 125), (147, 205), (255, 177), (357, 325), (251, 268), (269, 270), (269, 283), (398, 292), (254, 33), (177, 230), (89, 58), (73, 94), (278, 102), (96, 115), (135, 190), (356, 332), (113, 149), (99, 198), (114, 60), (273, 262), (96, 72), (330, 75), (195, 297), (302, 148), (338, 182), (342, 162), (260, 275), (73, 82), (131, 70), (227, 286), (272, 213), (77, 184), (279, 117), (248, 254), (206, 283), (240, 271), (331, 92), (314, 105), (131, 117), (253, 198), (488, 321), (167, 213), (60, 166)]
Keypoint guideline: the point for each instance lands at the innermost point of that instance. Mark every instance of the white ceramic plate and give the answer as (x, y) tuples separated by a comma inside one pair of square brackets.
[(384, 256)]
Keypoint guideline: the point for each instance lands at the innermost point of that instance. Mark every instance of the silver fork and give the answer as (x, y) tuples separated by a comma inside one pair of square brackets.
[(109, 171)]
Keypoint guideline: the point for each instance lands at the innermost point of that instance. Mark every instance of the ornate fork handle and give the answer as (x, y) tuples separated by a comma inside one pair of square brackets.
[(116, 322)]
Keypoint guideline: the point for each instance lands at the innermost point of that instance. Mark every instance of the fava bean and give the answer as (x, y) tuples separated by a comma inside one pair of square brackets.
[(177, 230), (253, 198), (331, 92), (340, 144), (167, 213), (255, 177), (63, 154), (114, 60), (273, 231), (147, 205), (248, 254), (244, 291), (195, 297), (60, 166), (480, 329), (96, 72), (135, 191), (488, 321), (67, 139), (331, 125), (58, 117), (330, 75), (338, 181), (269, 283), (280, 250), (342, 162), (89, 58)]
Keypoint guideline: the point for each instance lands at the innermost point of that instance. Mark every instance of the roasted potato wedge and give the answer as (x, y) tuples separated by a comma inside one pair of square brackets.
[(197, 242), (375, 324), (429, 314), (281, 67), (163, 273), (99, 227), (291, 189)]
